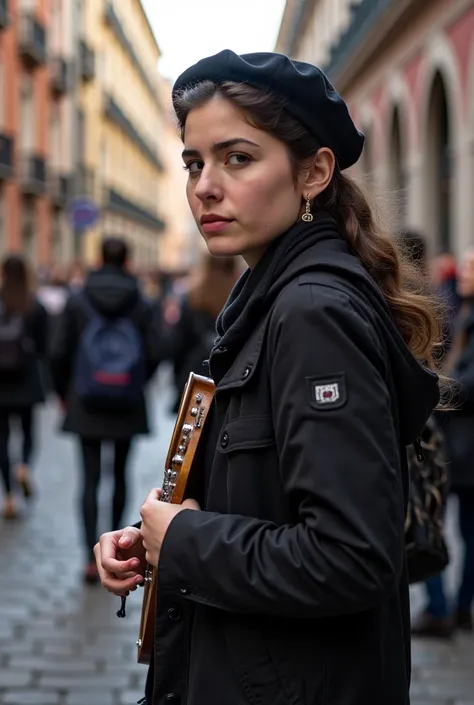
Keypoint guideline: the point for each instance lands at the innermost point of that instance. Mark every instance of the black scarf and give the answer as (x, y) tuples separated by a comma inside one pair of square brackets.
[(249, 297)]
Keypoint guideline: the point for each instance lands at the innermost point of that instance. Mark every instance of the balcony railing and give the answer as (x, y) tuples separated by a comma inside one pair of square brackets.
[(113, 20), (116, 115), (32, 174), (60, 75), (60, 188), (363, 18), (32, 42), (115, 201), (3, 14), (6, 156), (84, 181), (87, 62)]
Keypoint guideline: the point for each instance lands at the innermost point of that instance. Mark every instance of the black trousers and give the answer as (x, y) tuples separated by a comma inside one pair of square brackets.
[(91, 449), (25, 416)]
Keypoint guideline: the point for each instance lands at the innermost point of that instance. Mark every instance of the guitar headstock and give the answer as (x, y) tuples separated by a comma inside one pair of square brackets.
[(195, 403)]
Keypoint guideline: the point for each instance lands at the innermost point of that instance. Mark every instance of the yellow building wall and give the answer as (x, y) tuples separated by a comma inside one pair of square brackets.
[(91, 104), (117, 161)]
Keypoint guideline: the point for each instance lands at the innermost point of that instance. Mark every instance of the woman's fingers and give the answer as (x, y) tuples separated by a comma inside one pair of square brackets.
[(121, 588), (109, 560)]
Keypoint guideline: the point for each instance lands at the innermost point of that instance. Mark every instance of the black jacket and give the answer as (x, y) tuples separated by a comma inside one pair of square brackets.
[(458, 426), (28, 388), (291, 586), (112, 292)]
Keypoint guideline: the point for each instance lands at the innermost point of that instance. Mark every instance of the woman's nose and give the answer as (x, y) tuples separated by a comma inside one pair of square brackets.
[(208, 186)]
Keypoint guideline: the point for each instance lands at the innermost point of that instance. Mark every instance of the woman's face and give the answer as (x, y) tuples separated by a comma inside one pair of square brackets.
[(240, 187), (466, 277)]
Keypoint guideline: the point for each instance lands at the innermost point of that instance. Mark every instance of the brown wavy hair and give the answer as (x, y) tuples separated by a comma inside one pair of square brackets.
[(212, 282), (15, 290), (417, 314)]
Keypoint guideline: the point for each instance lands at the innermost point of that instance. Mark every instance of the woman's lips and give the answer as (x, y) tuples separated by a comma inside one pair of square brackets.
[(215, 226)]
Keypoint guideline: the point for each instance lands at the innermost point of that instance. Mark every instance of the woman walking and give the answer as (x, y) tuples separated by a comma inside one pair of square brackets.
[(23, 342), (287, 582), (443, 614)]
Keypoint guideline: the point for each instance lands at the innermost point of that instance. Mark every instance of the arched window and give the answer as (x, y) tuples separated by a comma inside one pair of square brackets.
[(397, 173), (439, 165), (366, 160)]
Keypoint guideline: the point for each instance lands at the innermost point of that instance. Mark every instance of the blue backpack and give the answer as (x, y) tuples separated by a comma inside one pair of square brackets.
[(110, 368)]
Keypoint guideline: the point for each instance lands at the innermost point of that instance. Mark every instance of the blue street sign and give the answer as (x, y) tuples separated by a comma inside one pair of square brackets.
[(83, 213)]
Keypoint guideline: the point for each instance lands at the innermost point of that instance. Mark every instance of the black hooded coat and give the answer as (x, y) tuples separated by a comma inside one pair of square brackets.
[(290, 586)]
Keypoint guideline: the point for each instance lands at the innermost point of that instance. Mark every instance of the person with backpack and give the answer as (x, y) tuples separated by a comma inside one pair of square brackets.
[(23, 342), (104, 352)]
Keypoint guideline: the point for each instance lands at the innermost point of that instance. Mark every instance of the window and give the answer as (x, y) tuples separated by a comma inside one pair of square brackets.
[(80, 142), (56, 244), (28, 231), (56, 28), (55, 136), (27, 114), (3, 229), (2, 90)]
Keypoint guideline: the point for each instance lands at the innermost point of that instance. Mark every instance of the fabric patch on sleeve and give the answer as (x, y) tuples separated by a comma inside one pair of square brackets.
[(327, 393)]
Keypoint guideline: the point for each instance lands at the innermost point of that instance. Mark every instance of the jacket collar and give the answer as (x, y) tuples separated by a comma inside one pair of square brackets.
[(240, 326)]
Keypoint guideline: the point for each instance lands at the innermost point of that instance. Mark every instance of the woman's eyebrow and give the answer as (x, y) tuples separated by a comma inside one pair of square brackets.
[(219, 146)]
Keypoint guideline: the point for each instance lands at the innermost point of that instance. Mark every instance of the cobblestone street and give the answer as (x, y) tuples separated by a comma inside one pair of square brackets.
[(61, 643)]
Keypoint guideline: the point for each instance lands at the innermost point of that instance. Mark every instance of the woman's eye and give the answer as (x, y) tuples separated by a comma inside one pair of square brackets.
[(238, 159), (193, 167)]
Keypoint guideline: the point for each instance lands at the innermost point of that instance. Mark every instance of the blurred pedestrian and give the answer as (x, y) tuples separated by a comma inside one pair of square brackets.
[(23, 341), (104, 352), (53, 294), (76, 277), (442, 615), (443, 272), (193, 335)]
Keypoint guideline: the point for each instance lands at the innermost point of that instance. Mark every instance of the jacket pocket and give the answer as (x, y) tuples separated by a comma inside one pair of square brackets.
[(245, 433), (251, 662), (277, 663)]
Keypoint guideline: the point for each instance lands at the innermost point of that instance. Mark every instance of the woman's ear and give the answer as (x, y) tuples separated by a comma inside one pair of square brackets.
[(319, 172)]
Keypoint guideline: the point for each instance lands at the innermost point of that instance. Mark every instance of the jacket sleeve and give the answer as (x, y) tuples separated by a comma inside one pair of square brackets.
[(340, 468), (63, 349)]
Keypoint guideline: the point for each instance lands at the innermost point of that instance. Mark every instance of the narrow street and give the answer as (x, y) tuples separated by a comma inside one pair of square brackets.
[(61, 643)]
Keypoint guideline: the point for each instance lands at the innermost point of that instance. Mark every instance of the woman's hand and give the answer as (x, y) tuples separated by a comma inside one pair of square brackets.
[(156, 517), (120, 558)]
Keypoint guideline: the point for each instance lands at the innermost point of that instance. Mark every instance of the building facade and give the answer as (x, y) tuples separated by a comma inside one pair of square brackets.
[(406, 70), (123, 127), (80, 117), (25, 98), (181, 242)]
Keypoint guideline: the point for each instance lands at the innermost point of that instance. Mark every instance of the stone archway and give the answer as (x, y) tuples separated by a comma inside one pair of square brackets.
[(397, 170), (367, 157), (439, 166)]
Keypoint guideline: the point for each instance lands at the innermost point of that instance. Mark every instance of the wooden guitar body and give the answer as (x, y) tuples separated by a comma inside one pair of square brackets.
[(195, 404)]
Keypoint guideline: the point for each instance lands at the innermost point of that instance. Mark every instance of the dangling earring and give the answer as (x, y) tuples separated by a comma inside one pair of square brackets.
[(307, 215)]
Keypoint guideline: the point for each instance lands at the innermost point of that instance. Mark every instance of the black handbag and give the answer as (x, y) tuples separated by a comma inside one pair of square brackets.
[(426, 550)]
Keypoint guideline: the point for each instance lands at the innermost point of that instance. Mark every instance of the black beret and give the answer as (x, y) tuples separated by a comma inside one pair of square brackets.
[(308, 93)]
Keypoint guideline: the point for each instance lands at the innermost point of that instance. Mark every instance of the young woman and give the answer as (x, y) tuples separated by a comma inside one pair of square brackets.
[(282, 578), (23, 342)]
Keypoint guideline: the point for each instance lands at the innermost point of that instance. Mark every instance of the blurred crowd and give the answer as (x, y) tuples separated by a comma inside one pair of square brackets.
[(93, 341)]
